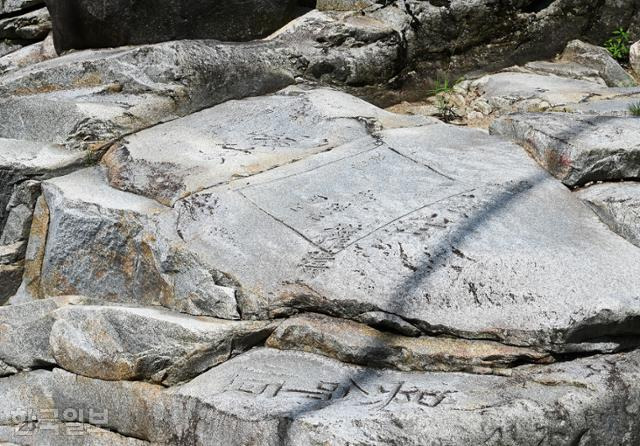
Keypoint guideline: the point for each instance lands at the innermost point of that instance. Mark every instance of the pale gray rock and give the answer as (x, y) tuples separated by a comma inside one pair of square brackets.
[(34, 25), (25, 329), (634, 57), (618, 205), (575, 148), (12, 253), (6, 370), (28, 55), (570, 70), (51, 432), (599, 59), (124, 343), (23, 396), (273, 397), (116, 246), (25, 333), (356, 343), (241, 138), (344, 5), (8, 47), (607, 107), (324, 401), (19, 212), (112, 23), (453, 248)]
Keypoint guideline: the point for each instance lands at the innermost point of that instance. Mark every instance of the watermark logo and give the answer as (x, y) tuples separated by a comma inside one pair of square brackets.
[(61, 422)]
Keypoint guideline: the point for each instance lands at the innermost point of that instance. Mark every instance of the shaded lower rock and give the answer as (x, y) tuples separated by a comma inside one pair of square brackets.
[(577, 149), (618, 205), (270, 397), (125, 343), (34, 25), (359, 344), (51, 432)]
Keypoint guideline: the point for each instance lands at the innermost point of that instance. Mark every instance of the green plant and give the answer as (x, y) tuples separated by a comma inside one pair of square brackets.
[(634, 109), (446, 112), (619, 45), (444, 86)]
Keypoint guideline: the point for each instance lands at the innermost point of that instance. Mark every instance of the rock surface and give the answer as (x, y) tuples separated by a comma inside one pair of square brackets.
[(112, 23), (359, 344), (634, 57), (618, 205), (577, 149), (120, 343), (33, 25), (599, 59)]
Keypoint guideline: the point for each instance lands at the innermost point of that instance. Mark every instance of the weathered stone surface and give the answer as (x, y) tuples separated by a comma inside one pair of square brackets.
[(564, 69), (10, 280), (598, 58), (33, 25), (272, 397), (19, 212), (111, 23), (7, 370), (359, 344), (454, 248), (8, 47), (242, 138), (344, 5), (607, 107), (577, 149), (634, 57), (25, 329), (29, 55), (9, 6), (121, 343), (117, 246), (327, 402), (55, 433), (12, 253), (618, 205), (23, 394)]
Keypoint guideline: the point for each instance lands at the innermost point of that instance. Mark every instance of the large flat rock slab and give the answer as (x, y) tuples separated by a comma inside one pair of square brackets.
[(486, 246), (618, 205), (577, 149), (242, 138), (325, 401)]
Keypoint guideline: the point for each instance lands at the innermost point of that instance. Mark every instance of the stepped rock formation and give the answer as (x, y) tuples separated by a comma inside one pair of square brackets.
[(221, 243)]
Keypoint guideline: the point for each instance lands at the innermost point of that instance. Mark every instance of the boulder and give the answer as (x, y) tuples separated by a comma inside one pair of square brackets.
[(13, 6), (487, 247), (241, 138), (634, 57), (357, 343), (599, 59), (125, 343), (618, 205), (24, 396), (25, 330), (577, 148), (112, 23), (34, 25), (28, 55)]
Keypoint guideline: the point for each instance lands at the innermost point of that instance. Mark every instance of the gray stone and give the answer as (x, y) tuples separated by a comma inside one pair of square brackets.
[(55, 433), (565, 69), (397, 227), (25, 329), (12, 253), (7, 370), (19, 212), (23, 396), (34, 25), (634, 57), (11, 6), (121, 343), (272, 397), (608, 107), (10, 280), (356, 343), (120, 247), (112, 23), (618, 205), (598, 58), (242, 138), (577, 149), (8, 47), (28, 55), (298, 398), (344, 5)]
